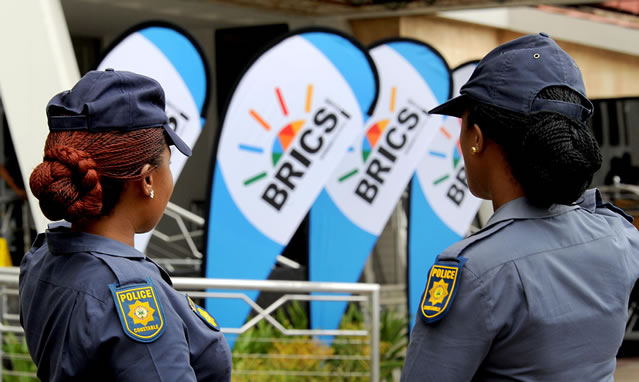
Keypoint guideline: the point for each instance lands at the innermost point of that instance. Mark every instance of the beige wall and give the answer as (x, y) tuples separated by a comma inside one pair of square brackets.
[(371, 30), (607, 74), (458, 42)]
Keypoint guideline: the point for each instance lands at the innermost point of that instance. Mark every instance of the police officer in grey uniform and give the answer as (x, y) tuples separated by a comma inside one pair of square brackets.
[(93, 307), (541, 292)]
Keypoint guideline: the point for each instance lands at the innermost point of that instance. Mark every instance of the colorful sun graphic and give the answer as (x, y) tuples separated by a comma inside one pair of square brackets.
[(141, 312), (456, 156), (284, 138), (372, 136)]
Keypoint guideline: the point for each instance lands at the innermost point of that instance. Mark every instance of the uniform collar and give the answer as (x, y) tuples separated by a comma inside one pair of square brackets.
[(521, 208), (62, 241)]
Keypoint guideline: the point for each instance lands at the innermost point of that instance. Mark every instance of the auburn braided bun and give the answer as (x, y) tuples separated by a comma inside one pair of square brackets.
[(82, 174), (67, 184)]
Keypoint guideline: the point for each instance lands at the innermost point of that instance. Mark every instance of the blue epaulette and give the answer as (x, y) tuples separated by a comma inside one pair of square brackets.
[(592, 199)]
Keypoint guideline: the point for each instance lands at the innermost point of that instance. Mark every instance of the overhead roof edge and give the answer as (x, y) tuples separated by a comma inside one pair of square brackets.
[(560, 26)]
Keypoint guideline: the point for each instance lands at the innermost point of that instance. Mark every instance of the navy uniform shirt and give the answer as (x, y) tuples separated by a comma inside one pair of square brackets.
[(75, 330), (543, 296)]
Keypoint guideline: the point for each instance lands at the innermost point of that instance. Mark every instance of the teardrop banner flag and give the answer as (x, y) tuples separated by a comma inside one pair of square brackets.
[(441, 205), (290, 120), (171, 56), (361, 193)]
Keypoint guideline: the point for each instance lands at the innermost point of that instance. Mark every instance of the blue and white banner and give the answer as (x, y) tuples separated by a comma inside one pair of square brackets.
[(169, 55), (441, 205), (290, 120), (362, 192)]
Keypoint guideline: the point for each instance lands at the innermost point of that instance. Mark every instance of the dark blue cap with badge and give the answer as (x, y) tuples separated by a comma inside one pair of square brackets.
[(512, 75), (112, 101)]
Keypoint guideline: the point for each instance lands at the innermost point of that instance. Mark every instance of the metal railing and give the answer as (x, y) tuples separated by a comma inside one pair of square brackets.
[(10, 329), (367, 295), (179, 249)]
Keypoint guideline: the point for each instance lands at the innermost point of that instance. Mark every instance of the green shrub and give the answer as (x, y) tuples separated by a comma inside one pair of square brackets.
[(393, 342), (19, 360), (272, 357), (264, 354)]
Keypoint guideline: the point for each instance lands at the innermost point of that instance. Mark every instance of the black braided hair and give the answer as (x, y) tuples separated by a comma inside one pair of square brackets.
[(552, 156)]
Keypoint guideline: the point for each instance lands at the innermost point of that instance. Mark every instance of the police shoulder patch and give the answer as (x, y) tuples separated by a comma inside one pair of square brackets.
[(443, 281), (140, 311), (203, 314)]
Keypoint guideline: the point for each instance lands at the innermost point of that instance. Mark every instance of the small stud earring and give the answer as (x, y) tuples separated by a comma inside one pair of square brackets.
[(151, 195), (473, 149)]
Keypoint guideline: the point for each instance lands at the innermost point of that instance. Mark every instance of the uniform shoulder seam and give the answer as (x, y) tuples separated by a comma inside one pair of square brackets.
[(79, 291), (479, 275)]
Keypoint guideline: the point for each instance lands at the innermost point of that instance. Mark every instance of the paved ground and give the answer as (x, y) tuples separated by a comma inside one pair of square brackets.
[(628, 362), (627, 370)]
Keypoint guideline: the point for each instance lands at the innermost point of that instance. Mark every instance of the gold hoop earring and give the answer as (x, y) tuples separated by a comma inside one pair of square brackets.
[(151, 195), (473, 150)]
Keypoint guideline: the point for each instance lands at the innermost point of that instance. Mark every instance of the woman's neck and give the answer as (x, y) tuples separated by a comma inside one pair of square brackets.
[(502, 185), (502, 196), (109, 227)]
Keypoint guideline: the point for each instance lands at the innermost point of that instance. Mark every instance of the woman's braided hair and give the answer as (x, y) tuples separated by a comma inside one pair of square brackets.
[(552, 156), (82, 174)]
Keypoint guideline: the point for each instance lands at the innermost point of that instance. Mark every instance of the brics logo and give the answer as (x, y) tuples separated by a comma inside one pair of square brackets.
[(385, 141), (307, 134)]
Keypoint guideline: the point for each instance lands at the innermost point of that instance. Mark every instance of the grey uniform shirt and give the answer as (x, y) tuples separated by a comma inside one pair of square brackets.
[(543, 296)]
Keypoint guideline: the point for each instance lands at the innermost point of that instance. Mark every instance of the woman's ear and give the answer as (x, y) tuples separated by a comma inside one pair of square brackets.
[(478, 138), (147, 182)]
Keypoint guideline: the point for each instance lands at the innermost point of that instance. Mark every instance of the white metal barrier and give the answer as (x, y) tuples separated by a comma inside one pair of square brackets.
[(296, 291), (368, 295), (10, 328)]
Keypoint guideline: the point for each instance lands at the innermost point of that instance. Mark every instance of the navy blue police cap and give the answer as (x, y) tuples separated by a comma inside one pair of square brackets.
[(512, 75), (112, 101)]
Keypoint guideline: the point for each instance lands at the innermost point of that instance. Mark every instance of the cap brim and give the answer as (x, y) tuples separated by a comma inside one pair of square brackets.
[(454, 107), (177, 141)]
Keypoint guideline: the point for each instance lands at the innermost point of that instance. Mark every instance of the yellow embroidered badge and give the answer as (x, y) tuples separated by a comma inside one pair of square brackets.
[(443, 279), (139, 310), (141, 313), (438, 292), (203, 314)]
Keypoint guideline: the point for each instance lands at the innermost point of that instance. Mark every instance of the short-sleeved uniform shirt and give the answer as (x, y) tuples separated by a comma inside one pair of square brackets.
[(75, 331), (543, 296)]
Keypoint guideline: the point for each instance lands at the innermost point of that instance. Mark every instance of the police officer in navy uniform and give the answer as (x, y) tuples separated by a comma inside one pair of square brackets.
[(93, 307), (541, 292)]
